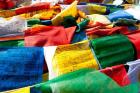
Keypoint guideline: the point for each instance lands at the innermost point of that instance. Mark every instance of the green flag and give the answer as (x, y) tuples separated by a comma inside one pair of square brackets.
[(113, 50), (85, 81)]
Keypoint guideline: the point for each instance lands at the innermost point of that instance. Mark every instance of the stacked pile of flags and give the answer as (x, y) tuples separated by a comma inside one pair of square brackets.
[(48, 47)]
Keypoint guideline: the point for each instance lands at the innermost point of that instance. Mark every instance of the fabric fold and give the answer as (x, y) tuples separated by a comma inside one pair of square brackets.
[(48, 36), (85, 81), (20, 67), (135, 39), (68, 58), (118, 73), (113, 50)]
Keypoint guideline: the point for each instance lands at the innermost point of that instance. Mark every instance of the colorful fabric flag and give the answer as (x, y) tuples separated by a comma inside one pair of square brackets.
[(96, 9), (84, 48), (69, 11), (43, 14), (81, 26), (68, 58), (99, 18), (118, 73), (20, 67), (89, 8), (85, 81), (25, 9), (101, 31), (135, 39), (134, 71), (134, 11), (80, 36), (125, 22), (31, 8), (119, 14), (113, 50), (48, 36), (15, 26)]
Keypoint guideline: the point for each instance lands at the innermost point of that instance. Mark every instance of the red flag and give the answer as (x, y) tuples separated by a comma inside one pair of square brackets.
[(135, 39), (48, 36), (117, 73)]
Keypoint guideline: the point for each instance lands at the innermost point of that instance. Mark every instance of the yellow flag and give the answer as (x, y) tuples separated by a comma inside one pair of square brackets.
[(71, 10), (73, 57), (96, 9)]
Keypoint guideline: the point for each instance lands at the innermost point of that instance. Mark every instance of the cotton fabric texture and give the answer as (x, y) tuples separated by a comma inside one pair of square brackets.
[(20, 67), (68, 58), (113, 50)]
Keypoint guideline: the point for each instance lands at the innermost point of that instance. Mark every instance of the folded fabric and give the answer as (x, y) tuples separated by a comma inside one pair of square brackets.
[(109, 7), (135, 39), (102, 31), (82, 25), (20, 67), (43, 14), (125, 22), (99, 18), (85, 81), (69, 11), (12, 43), (68, 58), (80, 36), (48, 36), (48, 14), (118, 73), (113, 50), (134, 71), (25, 9), (31, 8), (105, 8), (15, 26), (134, 11), (96, 9), (84, 7), (119, 14)]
